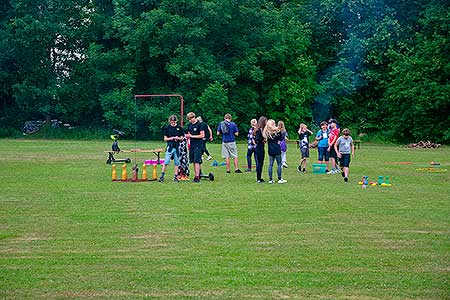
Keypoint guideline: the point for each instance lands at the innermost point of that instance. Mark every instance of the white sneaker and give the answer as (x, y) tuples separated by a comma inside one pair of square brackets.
[(282, 181), (270, 181), (331, 172), (209, 157)]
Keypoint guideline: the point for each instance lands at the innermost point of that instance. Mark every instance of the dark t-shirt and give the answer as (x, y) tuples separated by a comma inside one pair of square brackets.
[(195, 129), (303, 139), (205, 128), (171, 131), (259, 139), (273, 145)]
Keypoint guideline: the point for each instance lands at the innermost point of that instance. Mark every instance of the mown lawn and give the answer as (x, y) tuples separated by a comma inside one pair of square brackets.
[(68, 232)]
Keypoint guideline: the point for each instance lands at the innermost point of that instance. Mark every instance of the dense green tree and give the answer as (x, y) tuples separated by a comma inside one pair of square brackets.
[(418, 94), (373, 64)]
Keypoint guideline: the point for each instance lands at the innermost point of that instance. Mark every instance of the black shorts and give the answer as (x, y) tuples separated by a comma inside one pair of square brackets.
[(333, 153), (304, 152), (345, 160), (195, 153)]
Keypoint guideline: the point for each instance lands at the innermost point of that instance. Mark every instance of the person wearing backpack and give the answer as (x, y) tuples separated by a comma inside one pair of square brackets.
[(229, 131)]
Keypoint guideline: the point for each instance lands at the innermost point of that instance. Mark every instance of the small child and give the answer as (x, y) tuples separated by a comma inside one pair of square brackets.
[(251, 145), (283, 144), (303, 142), (344, 148), (322, 145)]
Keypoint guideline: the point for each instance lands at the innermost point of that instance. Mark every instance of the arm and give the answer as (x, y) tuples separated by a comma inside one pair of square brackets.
[(319, 137), (337, 151), (353, 149), (210, 133), (309, 131)]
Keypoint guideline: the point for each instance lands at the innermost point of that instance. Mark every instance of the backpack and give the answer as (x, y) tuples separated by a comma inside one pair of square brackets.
[(224, 127)]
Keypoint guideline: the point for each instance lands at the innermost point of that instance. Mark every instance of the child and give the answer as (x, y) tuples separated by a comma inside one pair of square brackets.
[(251, 145), (283, 143), (344, 148), (173, 134), (196, 134), (273, 136), (259, 148), (322, 146), (208, 137), (303, 142), (332, 138)]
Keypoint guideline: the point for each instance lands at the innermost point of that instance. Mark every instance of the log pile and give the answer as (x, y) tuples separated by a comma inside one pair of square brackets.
[(422, 144)]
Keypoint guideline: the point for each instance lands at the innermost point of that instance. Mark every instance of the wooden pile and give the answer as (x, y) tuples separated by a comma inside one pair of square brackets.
[(422, 144)]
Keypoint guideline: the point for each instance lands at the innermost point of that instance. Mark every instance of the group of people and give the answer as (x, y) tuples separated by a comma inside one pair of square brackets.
[(198, 133), (332, 148)]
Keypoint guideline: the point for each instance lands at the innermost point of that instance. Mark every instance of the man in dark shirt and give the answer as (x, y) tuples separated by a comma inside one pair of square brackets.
[(196, 133), (173, 134)]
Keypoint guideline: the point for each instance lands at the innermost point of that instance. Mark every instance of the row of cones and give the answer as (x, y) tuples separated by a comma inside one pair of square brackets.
[(135, 176)]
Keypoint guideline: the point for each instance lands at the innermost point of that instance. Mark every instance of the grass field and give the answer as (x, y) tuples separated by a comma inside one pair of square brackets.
[(68, 232)]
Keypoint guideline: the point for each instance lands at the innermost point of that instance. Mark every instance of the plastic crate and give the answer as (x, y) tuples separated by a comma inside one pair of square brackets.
[(319, 168)]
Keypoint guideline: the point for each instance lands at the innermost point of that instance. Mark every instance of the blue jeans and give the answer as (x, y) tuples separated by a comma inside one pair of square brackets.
[(271, 161)]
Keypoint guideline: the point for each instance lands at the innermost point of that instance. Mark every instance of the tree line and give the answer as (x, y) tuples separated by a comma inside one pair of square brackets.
[(378, 66)]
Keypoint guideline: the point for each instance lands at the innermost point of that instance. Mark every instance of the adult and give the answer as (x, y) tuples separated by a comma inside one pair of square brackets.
[(173, 134), (259, 148), (196, 134), (229, 131)]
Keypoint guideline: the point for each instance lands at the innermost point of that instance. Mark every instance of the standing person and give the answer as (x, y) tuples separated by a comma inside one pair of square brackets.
[(229, 131), (273, 136), (303, 143), (322, 145), (332, 138), (196, 134), (259, 148), (251, 145), (344, 148), (173, 134), (283, 143), (208, 136)]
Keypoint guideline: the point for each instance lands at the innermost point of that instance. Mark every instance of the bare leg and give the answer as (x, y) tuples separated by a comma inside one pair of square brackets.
[(236, 166), (227, 163), (197, 170)]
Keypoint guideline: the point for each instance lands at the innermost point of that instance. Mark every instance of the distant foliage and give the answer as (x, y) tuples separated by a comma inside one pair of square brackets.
[(376, 65)]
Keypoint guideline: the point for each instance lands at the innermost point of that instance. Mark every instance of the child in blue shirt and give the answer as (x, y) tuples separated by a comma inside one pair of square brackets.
[(322, 145)]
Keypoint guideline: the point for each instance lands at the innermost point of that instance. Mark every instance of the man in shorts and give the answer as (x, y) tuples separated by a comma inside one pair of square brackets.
[(229, 131), (173, 134), (196, 134)]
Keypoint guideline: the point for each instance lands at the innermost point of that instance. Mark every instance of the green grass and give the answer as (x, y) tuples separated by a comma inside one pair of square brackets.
[(68, 232)]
